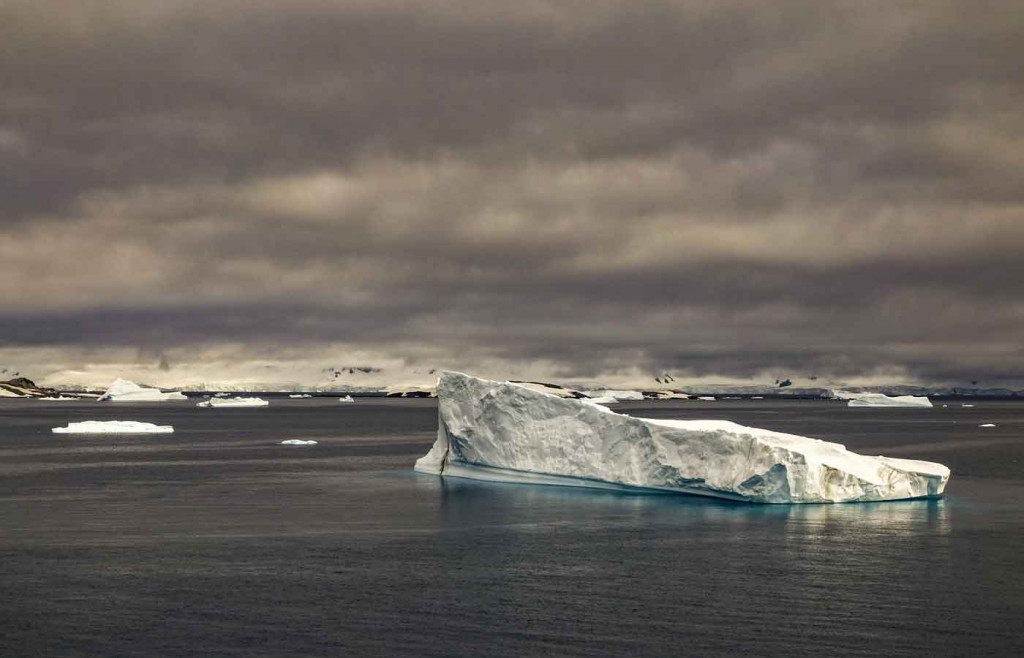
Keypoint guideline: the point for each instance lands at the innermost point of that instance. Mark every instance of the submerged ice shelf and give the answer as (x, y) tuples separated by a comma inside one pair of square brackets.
[(505, 432)]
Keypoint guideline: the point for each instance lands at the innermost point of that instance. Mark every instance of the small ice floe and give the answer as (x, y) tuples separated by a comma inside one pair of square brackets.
[(233, 402), (966, 406), (301, 395), (113, 427), (709, 398), (347, 398), (57, 399), (757, 397), (988, 425), (298, 442)]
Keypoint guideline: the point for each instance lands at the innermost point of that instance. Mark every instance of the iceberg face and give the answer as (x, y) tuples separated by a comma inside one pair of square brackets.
[(113, 427), (301, 395), (501, 431), (222, 403), (123, 390), (881, 400), (347, 398)]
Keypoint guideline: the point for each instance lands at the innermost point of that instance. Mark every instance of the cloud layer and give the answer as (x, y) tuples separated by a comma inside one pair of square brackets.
[(717, 189)]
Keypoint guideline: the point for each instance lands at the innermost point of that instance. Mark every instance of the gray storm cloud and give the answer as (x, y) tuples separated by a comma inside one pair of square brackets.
[(716, 189)]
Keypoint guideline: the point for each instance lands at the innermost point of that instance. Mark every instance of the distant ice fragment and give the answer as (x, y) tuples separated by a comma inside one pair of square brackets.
[(123, 390), (222, 403), (302, 395), (616, 396), (987, 425), (347, 398), (58, 399), (298, 442), (501, 431), (966, 405), (708, 398), (113, 427)]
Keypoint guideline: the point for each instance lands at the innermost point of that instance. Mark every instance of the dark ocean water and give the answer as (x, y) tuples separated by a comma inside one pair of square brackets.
[(218, 541)]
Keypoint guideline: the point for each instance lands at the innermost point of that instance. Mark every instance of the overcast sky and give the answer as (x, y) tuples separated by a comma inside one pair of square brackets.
[(715, 189)]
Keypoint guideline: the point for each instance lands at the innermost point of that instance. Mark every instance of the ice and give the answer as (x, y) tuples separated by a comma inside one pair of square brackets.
[(707, 398), (616, 396), (987, 425), (123, 390), (58, 399), (500, 431), (881, 400), (347, 398), (298, 442), (303, 395), (113, 427), (602, 399), (966, 406), (221, 403)]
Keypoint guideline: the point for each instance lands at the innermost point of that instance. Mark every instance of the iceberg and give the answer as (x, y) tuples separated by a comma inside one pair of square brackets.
[(123, 390), (60, 398), (616, 395), (988, 425), (707, 398), (222, 403), (347, 398), (500, 431), (298, 442), (113, 427), (301, 395), (882, 400)]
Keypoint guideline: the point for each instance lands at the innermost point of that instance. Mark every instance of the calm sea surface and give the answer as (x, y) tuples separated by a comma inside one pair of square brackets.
[(218, 541)]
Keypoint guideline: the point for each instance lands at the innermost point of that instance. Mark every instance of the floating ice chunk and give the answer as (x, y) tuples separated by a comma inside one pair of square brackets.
[(966, 405), (708, 398), (499, 431), (221, 403), (987, 425), (882, 400), (347, 398), (603, 399), (302, 395), (123, 390), (298, 442), (58, 399), (757, 397), (113, 427)]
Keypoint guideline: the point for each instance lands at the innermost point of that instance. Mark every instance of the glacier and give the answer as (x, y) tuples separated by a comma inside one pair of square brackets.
[(501, 431), (113, 427), (221, 403), (123, 390)]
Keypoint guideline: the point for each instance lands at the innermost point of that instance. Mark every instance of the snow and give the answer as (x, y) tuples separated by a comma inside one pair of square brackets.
[(298, 442), (882, 400), (987, 425), (500, 431), (303, 395), (113, 427), (347, 398), (233, 402), (123, 390), (603, 399), (59, 399)]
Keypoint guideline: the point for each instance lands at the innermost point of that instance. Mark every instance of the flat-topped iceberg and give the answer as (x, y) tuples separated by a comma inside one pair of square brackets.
[(347, 398), (113, 427), (298, 442), (504, 432), (222, 403), (123, 390), (301, 395), (881, 400)]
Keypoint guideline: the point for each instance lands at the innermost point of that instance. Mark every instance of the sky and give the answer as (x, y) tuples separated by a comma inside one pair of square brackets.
[(579, 190)]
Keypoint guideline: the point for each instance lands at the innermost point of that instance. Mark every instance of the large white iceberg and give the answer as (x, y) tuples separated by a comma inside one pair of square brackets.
[(221, 403), (123, 390), (113, 427), (501, 431), (881, 400)]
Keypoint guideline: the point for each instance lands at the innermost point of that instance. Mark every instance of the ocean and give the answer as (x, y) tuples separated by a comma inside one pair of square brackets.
[(218, 541)]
